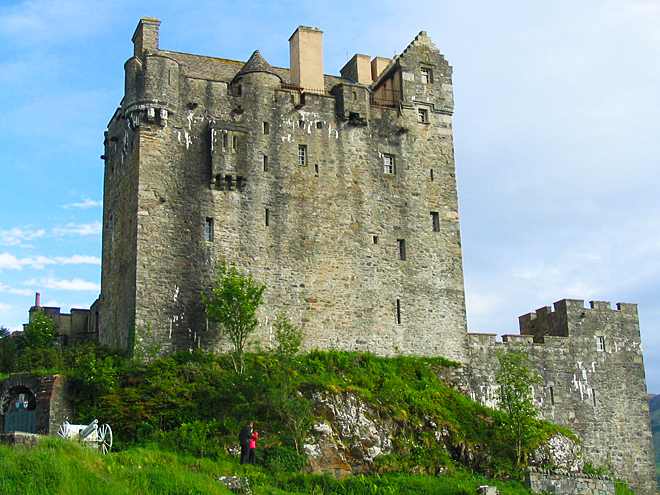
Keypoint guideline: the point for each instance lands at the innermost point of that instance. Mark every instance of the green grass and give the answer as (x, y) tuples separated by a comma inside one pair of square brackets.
[(61, 467)]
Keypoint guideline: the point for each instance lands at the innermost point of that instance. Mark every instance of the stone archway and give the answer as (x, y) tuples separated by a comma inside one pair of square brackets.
[(34, 404)]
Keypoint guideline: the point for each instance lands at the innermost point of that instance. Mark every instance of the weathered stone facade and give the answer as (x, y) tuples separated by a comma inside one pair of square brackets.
[(548, 481), (591, 364), (338, 193), (344, 205)]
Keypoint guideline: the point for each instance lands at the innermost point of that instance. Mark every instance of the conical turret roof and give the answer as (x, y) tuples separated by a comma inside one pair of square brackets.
[(256, 64)]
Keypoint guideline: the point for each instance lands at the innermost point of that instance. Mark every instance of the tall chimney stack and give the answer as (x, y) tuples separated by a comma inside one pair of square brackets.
[(146, 36), (306, 49), (37, 300)]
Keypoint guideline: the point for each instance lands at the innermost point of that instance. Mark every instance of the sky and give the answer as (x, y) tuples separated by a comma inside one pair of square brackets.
[(555, 133)]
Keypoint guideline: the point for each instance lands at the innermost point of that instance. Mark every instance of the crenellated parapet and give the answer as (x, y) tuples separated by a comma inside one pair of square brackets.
[(590, 363)]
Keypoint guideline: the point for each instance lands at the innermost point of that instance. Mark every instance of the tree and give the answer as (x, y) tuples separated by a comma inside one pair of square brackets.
[(290, 405), (233, 304), (515, 398), (39, 333), (9, 348)]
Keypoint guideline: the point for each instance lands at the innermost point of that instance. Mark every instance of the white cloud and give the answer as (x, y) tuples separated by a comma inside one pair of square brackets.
[(86, 203), (80, 229), (78, 259), (16, 236), (11, 290), (11, 262), (75, 284), (4, 308)]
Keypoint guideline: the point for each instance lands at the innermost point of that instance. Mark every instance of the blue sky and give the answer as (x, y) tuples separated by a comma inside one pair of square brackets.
[(556, 136)]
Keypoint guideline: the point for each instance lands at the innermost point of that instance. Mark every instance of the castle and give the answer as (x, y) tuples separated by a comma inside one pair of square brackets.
[(338, 193)]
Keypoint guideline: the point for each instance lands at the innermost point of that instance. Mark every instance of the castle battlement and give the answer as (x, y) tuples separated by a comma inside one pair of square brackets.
[(339, 194)]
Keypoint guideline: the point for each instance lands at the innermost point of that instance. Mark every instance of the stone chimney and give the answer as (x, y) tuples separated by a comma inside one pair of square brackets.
[(378, 65), (146, 36), (306, 49), (37, 300), (358, 69)]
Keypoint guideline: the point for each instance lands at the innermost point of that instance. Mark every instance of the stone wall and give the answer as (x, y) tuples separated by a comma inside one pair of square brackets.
[(52, 401), (599, 394), (364, 258), (549, 481)]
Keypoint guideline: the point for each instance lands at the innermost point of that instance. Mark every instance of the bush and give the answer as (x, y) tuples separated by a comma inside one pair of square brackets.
[(280, 458)]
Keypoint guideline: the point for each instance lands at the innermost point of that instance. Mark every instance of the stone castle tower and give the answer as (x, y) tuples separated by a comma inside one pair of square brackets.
[(338, 193)]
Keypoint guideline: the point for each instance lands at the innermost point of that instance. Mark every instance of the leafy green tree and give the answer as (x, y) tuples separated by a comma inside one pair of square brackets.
[(39, 333), (9, 349), (289, 404), (233, 304), (515, 398)]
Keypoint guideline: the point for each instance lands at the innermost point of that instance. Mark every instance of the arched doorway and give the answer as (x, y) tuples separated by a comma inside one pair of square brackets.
[(19, 406)]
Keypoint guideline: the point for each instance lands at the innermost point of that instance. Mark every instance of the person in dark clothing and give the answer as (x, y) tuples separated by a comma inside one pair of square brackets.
[(244, 439)]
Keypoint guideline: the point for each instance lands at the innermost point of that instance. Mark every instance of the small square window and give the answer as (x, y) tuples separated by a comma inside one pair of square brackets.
[(427, 76), (435, 221), (208, 231), (302, 155), (265, 163), (266, 128), (600, 344), (388, 164), (401, 249), (319, 125), (422, 115)]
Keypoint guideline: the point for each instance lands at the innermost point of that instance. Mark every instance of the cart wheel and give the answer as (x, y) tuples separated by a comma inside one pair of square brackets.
[(105, 438), (63, 430)]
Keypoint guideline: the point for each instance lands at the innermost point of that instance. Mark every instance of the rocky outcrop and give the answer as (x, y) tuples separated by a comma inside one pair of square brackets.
[(353, 433), (558, 452)]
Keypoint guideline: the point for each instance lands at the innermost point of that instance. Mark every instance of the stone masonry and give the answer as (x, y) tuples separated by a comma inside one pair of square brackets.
[(341, 199), (338, 193), (592, 370)]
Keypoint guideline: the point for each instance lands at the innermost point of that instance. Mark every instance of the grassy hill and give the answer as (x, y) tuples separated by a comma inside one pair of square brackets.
[(176, 420)]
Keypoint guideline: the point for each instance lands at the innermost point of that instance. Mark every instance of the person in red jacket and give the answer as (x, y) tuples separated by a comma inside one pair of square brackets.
[(252, 456)]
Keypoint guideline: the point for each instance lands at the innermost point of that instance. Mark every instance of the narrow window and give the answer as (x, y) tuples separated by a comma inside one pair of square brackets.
[(388, 164), (427, 76), (316, 169), (354, 95), (208, 232), (422, 115), (319, 125), (431, 175), (265, 163), (398, 311), (552, 396), (224, 140), (302, 155), (301, 124), (593, 395), (267, 217), (235, 143), (375, 239), (435, 221), (266, 128), (401, 249), (600, 344)]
